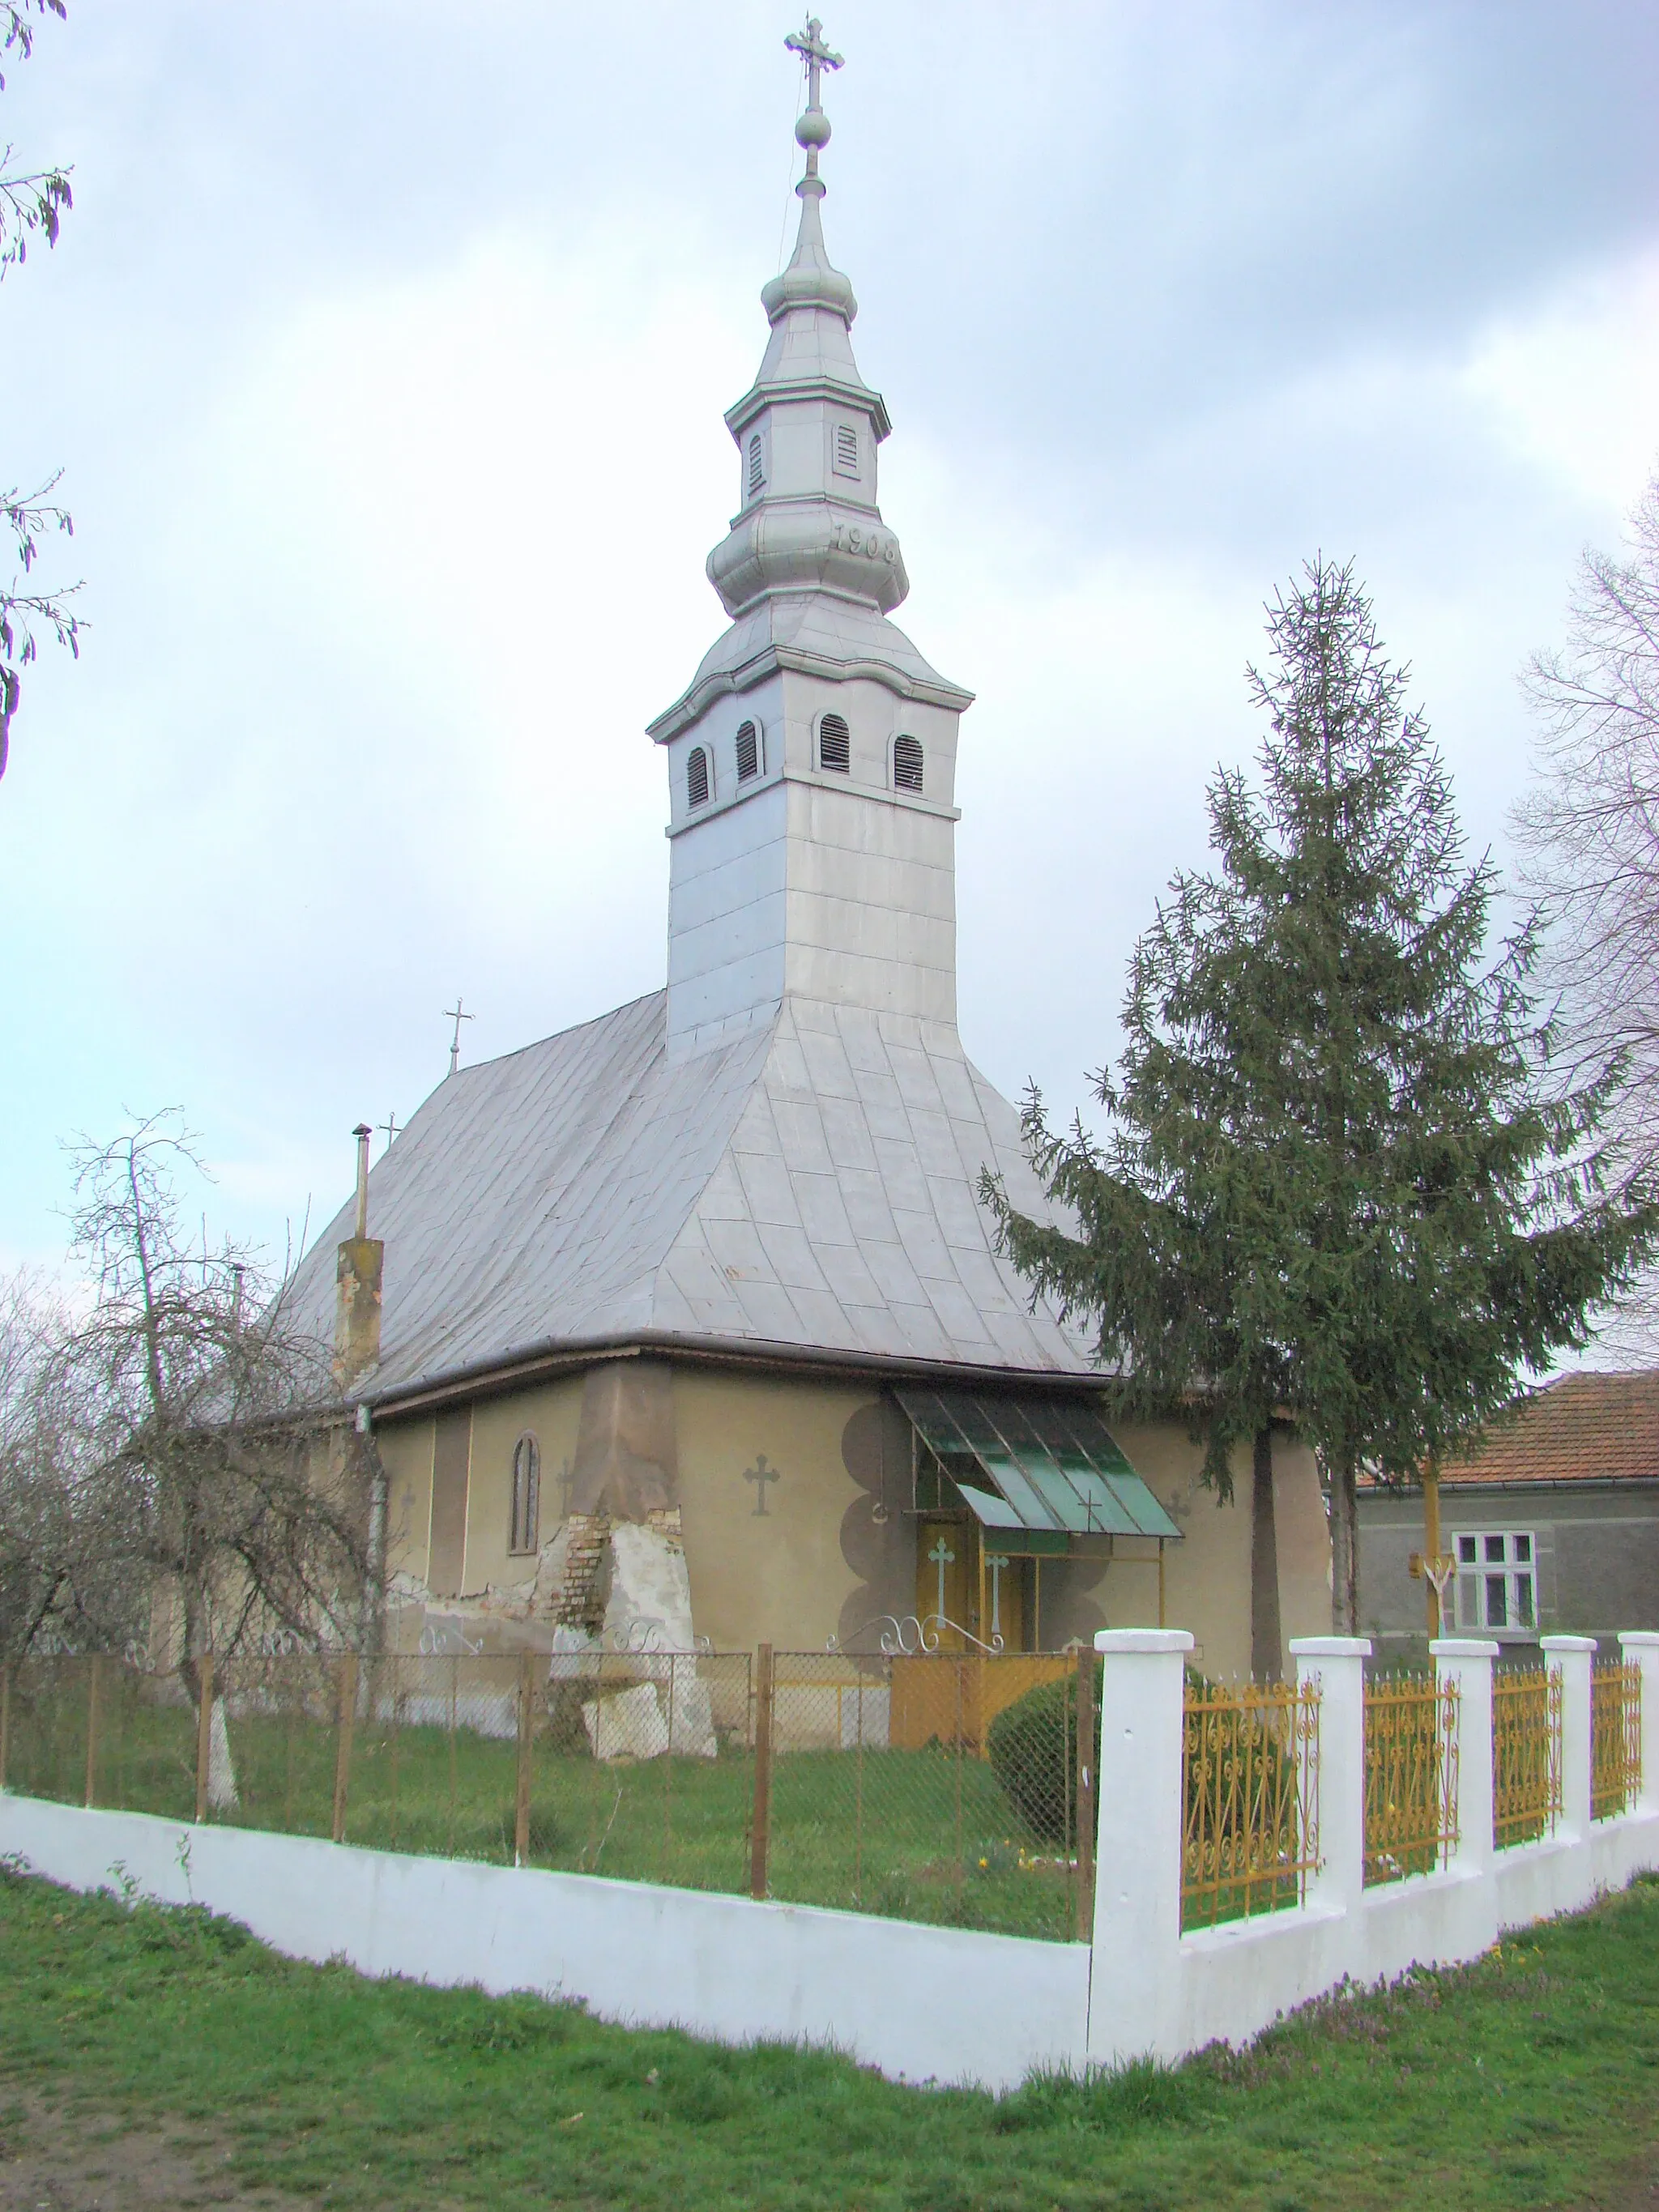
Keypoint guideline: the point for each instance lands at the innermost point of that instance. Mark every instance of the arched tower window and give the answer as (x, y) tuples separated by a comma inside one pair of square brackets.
[(757, 464), (835, 744), (526, 1494), (749, 761), (696, 777), (907, 763)]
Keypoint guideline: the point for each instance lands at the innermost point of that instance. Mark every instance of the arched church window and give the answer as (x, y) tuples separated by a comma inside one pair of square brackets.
[(696, 777), (748, 751), (907, 763), (526, 1494), (847, 450), (757, 464), (835, 744)]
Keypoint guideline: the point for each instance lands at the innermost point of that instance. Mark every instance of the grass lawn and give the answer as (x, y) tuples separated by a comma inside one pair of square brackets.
[(1530, 2079)]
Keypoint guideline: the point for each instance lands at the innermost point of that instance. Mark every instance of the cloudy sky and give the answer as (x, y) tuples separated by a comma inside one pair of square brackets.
[(385, 355)]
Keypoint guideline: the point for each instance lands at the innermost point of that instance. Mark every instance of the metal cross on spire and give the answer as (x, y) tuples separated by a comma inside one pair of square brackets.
[(454, 1013), (809, 44)]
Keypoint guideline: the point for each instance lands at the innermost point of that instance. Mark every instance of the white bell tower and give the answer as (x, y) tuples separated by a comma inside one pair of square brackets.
[(812, 762)]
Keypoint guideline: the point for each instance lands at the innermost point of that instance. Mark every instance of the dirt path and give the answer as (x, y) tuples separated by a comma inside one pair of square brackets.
[(101, 2165)]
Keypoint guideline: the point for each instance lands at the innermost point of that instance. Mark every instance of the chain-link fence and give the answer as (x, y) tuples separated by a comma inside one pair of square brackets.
[(953, 1787), (939, 1786), (94, 1731)]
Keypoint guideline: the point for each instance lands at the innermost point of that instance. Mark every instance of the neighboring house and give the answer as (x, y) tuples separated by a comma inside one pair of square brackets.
[(691, 1320), (1553, 1519)]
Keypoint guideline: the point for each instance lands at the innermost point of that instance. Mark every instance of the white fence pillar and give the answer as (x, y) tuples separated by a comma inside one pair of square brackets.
[(1642, 1644), (1466, 1661), (1575, 1656), (1135, 1991), (1337, 1663)]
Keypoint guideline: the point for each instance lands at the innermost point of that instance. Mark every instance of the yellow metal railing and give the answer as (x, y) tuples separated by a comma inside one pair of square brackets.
[(1251, 1799), (1526, 1753), (1615, 1737), (1411, 1776)]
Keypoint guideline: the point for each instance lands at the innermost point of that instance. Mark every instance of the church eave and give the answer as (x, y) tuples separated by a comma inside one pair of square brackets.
[(539, 1363), (786, 391), (693, 704)]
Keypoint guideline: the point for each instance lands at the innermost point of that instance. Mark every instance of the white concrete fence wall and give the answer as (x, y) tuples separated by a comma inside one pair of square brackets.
[(1155, 1990), (921, 2002)]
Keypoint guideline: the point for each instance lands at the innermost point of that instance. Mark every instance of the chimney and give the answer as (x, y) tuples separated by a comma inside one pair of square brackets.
[(358, 1286)]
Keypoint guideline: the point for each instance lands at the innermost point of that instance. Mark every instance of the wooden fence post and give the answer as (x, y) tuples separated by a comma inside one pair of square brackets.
[(204, 1732), (92, 1732), (342, 1746), (1085, 1795), (526, 1738), (5, 1722), (761, 1832)]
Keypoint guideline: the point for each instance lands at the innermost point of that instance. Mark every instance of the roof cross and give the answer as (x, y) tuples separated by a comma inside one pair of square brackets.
[(810, 46), (390, 1125), (454, 1013)]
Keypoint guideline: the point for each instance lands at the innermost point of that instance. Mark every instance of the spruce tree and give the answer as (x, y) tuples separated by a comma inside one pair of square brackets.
[(1337, 1182)]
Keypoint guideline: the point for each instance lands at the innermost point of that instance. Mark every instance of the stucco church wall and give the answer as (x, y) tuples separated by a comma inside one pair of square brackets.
[(781, 1575), (406, 1449), (1207, 1574), (550, 1414)]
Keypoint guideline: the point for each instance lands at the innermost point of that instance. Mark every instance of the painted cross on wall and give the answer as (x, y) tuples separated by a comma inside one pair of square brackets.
[(760, 1474)]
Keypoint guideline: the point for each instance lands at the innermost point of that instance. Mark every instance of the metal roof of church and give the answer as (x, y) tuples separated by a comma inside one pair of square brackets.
[(809, 1185)]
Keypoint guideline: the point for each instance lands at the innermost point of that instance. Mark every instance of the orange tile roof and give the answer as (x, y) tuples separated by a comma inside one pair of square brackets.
[(1590, 1428)]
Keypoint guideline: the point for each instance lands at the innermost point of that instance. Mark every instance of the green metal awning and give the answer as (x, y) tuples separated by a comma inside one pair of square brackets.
[(1040, 1466)]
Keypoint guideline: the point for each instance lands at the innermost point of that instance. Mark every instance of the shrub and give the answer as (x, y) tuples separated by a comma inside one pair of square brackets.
[(1032, 1746)]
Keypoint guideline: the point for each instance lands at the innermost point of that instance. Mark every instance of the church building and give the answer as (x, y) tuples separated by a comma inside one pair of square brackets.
[(687, 1323)]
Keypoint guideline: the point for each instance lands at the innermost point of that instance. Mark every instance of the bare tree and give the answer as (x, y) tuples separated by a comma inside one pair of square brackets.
[(180, 1449), (1589, 833), (33, 203), (65, 1578)]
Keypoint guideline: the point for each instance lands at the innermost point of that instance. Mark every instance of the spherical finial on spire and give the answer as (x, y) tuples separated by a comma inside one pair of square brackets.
[(812, 130)]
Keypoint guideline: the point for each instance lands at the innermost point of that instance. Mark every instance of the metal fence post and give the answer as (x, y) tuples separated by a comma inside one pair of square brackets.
[(92, 1731), (526, 1733), (342, 1749), (760, 1832), (1084, 1824), (204, 1732)]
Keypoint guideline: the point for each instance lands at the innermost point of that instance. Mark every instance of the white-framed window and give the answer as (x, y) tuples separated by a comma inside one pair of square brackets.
[(846, 449), (525, 1524), (1497, 1579)]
